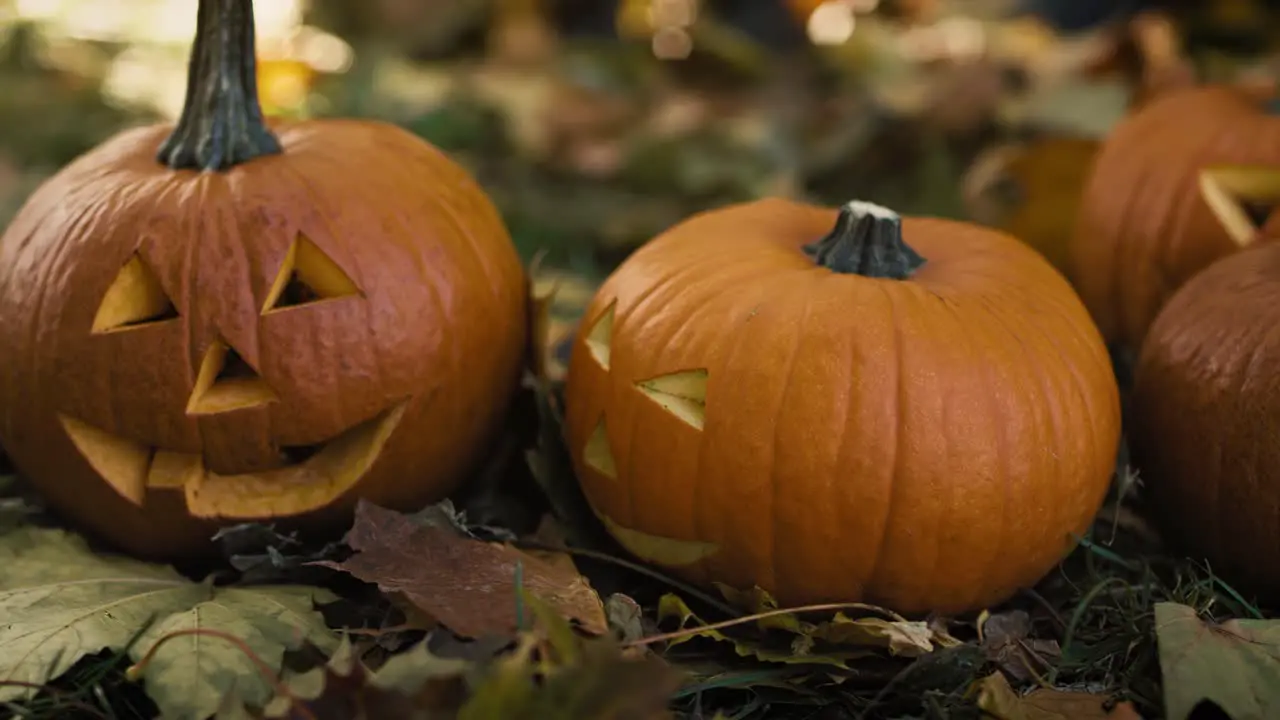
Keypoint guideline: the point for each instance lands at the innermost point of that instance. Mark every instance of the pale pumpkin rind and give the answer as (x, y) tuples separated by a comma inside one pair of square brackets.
[(1205, 430), (739, 413), (1191, 177), (293, 316)]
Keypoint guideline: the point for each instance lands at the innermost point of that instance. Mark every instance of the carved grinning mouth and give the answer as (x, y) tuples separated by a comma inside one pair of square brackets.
[(133, 469)]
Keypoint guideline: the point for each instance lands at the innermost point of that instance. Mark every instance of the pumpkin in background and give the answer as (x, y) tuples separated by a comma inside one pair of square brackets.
[(234, 320), (1205, 416), (1031, 190), (842, 406), (1191, 177)]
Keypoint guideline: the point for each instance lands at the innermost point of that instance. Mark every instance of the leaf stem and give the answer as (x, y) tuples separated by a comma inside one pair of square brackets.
[(135, 671), (688, 632)]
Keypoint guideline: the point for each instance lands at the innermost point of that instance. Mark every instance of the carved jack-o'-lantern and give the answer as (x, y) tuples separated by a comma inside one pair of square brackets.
[(915, 412), (1186, 180), (252, 321)]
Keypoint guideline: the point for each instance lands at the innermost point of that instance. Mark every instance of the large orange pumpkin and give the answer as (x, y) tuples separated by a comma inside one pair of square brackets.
[(1190, 177), (231, 319), (1206, 416), (915, 412)]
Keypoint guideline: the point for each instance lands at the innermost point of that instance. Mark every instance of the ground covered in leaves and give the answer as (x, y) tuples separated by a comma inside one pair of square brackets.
[(509, 602)]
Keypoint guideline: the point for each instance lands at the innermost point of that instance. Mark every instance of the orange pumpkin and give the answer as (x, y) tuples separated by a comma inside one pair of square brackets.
[(228, 320), (1205, 409), (1190, 177), (914, 412)]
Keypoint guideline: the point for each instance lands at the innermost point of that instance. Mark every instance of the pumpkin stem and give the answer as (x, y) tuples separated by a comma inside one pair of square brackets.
[(221, 123), (867, 241)]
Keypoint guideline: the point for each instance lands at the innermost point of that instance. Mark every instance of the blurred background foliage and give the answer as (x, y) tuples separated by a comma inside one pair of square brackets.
[(595, 124)]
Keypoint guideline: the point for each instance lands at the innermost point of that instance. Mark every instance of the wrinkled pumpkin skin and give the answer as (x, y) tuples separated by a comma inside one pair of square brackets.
[(440, 323), (160, 377), (1144, 227), (933, 443), (1206, 418)]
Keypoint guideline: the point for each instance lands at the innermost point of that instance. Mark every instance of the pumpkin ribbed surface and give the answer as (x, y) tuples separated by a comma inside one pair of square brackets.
[(391, 373), (741, 414), (1206, 411), (1145, 224)]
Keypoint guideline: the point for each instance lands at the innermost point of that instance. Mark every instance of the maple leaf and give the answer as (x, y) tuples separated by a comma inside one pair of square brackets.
[(998, 700), (468, 585), (1234, 665), (60, 601)]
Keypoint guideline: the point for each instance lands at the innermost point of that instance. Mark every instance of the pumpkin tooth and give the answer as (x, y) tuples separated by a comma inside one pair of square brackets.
[(171, 470)]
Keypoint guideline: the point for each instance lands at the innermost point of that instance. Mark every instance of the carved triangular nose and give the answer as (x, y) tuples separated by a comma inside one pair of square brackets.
[(225, 382)]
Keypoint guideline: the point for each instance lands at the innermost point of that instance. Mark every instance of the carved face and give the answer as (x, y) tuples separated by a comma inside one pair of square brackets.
[(740, 412), (267, 342)]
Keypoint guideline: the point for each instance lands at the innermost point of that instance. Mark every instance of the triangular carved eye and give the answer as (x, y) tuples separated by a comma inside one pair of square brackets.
[(1242, 198), (134, 298), (307, 275), (600, 336), (683, 394)]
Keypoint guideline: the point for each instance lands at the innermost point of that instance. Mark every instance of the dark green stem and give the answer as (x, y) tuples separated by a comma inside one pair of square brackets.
[(221, 124), (867, 241)]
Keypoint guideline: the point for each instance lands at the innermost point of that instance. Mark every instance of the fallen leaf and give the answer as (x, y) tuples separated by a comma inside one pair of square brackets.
[(263, 555), (413, 684), (552, 674), (898, 636), (903, 638), (60, 602), (1234, 665), (1007, 642), (998, 700), (594, 680), (671, 606), (467, 585), (626, 617)]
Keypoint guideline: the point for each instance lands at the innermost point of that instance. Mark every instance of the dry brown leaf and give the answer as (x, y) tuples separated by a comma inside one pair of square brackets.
[(466, 584), (998, 700), (1007, 642)]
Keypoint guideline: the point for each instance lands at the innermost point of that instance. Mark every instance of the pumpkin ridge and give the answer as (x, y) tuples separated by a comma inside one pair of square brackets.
[(1034, 360), (775, 486), (870, 585), (221, 124), (866, 240)]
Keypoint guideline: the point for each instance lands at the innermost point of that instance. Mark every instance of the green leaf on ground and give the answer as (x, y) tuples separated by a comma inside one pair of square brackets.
[(1234, 665), (62, 601)]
